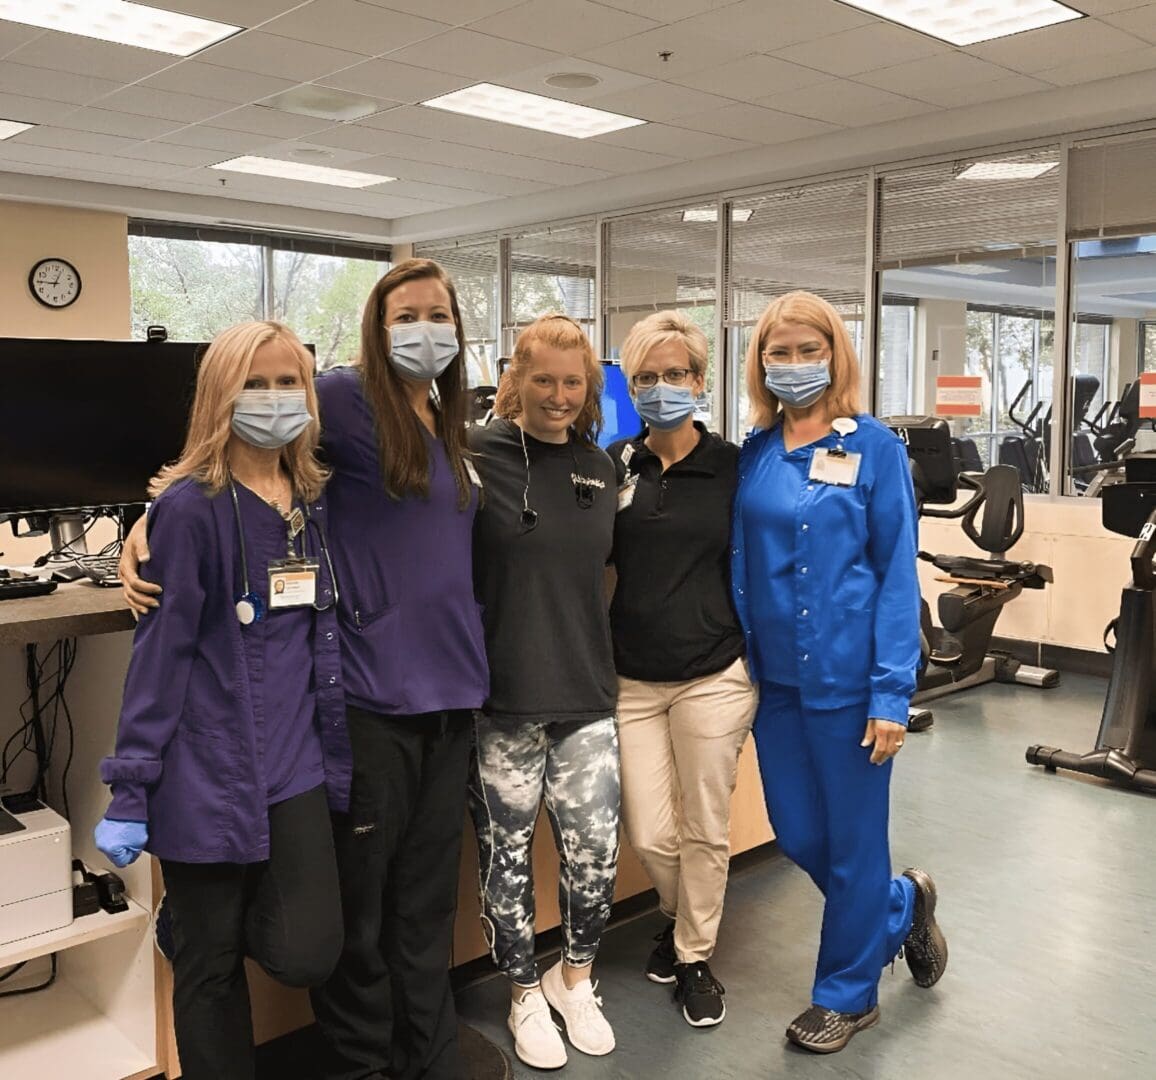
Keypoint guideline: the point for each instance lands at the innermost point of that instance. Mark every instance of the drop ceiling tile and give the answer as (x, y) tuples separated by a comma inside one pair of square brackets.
[(245, 12), (228, 84), (437, 193), (398, 82), (754, 123), (13, 35), (108, 122), (680, 143), (33, 110), (859, 49), (1070, 42), (456, 12), (596, 155), (355, 138), (85, 56), (658, 101), (846, 103), (567, 26), (954, 97), (88, 142), (918, 78), (753, 77), (468, 179), (36, 82), (1105, 7), (274, 123), (1100, 67), (280, 57), (148, 101), (689, 51), (212, 138), (190, 157), (478, 56), (1140, 21), (333, 156), (667, 11), (75, 159), (354, 26), (769, 25), (610, 80)]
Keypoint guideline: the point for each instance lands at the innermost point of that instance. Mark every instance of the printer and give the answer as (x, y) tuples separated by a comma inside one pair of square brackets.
[(35, 872)]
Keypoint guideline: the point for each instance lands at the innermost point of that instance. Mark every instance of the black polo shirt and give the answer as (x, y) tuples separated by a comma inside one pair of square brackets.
[(672, 617)]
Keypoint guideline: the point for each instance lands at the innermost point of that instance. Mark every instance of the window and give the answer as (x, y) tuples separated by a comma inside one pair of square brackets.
[(196, 283), (551, 270)]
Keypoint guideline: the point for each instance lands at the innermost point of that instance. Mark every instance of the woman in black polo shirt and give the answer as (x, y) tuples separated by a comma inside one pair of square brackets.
[(685, 701)]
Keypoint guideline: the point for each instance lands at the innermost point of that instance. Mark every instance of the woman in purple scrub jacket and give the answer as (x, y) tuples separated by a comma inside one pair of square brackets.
[(402, 501), (232, 742)]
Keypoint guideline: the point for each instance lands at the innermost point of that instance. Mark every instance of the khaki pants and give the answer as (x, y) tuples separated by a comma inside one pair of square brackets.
[(680, 745)]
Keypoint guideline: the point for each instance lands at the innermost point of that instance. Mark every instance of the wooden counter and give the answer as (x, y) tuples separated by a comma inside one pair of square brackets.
[(78, 609)]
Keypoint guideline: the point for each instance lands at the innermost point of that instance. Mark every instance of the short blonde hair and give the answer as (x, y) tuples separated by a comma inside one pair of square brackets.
[(558, 332), (810, 310), (659, 329), (220, 378)]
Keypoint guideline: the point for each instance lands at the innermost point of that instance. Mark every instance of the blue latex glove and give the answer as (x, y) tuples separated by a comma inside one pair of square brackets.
[(121, 841)]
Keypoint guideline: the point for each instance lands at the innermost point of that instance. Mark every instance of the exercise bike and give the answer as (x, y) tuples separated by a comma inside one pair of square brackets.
[(957, 654), (1125, 751)]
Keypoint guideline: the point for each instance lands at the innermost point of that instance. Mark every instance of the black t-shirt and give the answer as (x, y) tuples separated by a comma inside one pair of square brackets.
[(547, 632), (672, 616)]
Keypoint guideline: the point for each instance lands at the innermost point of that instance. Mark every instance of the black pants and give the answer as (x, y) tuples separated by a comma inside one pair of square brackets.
[(388, 1009), (285, 913)]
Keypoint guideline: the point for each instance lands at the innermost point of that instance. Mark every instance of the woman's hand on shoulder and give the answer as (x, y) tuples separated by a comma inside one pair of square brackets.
[(885, 737), (140, 595)]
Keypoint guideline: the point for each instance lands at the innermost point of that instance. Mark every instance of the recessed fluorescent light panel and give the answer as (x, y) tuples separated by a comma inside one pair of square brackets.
[(490, 102), (965, 22), (1006, 170), (296, 170), (710, 214), (120, 22), (8, 128)]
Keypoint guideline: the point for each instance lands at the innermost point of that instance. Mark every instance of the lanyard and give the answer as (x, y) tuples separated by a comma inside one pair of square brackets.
[(250, 608)]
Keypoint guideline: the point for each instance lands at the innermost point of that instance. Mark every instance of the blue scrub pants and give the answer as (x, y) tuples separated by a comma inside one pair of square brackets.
[(829, 806)]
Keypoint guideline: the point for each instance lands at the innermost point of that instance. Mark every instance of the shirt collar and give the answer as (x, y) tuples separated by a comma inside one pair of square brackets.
[(701, 460)]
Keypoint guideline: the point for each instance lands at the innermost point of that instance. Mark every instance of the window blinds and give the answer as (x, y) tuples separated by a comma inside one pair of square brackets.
[(553, 268), (473, 265), (1110, 187)]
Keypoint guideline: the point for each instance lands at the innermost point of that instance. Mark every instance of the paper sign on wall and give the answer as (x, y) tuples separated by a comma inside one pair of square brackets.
[(959, 395), (1147, 394)]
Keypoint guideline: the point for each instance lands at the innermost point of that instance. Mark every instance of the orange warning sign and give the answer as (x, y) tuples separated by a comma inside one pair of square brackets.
[(959, 395)]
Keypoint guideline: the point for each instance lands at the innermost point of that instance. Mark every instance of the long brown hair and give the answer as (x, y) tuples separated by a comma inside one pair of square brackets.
[(401, 444), (220, 378), (810, 310), (559, 332)]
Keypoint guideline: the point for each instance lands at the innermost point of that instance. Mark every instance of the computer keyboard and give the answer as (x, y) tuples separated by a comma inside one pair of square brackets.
[(12, 587), (100, 568)]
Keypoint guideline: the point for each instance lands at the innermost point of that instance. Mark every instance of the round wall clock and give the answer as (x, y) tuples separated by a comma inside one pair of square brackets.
[(54, 282)]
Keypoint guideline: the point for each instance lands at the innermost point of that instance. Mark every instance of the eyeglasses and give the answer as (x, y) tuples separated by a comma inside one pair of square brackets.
[(674, 376), (808, 354)]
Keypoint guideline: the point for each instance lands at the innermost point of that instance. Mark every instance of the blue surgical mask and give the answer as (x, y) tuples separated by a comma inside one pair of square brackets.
[(663, 406), (798, 385), (422, 350), (270, 419)]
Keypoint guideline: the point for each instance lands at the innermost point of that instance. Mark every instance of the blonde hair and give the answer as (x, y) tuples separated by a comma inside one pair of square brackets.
[(842, 399), (659, 329), (558, 332), (220, 378)]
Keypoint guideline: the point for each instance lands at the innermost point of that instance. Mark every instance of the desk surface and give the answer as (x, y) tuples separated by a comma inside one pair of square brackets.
[(74, 610)]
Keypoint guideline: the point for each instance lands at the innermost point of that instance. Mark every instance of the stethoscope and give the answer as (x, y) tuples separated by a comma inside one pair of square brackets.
[(250, 607)]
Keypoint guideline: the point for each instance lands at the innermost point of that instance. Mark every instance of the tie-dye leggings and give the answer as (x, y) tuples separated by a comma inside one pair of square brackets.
[(574, 764)]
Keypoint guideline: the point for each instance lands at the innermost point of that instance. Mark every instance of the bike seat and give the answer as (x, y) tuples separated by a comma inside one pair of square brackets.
[(1032, 575)]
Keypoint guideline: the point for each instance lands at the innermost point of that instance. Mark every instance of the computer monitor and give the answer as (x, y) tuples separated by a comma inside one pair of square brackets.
[(933, 468), (86, 424), (619, 420)]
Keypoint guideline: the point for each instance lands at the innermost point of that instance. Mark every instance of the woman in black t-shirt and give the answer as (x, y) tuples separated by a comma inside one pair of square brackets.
[(685, 700), (542, 538)]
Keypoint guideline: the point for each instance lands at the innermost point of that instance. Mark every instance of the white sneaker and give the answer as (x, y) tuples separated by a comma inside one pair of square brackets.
[(581, 1012), (536, 1039)]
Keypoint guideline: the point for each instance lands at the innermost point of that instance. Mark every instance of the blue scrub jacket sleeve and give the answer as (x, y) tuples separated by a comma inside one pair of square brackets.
[(163, 650), (892, 544)]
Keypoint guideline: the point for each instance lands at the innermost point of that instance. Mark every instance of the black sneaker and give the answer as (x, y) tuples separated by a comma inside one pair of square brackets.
[(700, 994), (163, 928), (660, 966), (925, 948), (824, 1031)]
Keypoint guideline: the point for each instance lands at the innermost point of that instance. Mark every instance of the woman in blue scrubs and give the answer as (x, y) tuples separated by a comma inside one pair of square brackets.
[(825, 588)]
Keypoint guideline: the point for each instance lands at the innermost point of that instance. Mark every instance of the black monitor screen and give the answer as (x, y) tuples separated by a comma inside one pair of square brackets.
[(88, 423), (933, 468)]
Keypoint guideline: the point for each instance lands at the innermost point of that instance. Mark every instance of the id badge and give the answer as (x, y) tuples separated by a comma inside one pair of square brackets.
[(293, 583), (841, 469), (472, 473), (626, 492)]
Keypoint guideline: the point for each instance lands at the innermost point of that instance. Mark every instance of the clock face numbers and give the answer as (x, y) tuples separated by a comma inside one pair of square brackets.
[(54, 282)]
